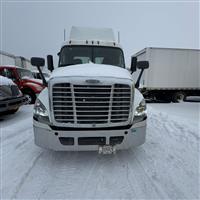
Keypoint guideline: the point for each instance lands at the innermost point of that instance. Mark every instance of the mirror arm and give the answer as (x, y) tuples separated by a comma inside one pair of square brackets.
[(42, 76), (139, 77)]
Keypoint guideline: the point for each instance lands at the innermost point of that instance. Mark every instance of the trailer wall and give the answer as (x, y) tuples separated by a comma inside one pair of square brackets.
[(171, 68)]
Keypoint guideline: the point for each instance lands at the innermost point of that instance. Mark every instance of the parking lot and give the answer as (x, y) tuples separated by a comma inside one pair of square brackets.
[(165, 167)]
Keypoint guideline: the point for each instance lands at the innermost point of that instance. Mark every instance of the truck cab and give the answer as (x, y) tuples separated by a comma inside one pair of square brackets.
[(24, 79), (90, 102)]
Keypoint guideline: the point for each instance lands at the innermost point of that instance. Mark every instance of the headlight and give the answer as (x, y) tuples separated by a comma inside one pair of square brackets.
[(140, 112), (40, 112), (141, 109)]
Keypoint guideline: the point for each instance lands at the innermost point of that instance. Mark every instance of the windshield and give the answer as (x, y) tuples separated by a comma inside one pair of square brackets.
[(72, 55), (23, 73)]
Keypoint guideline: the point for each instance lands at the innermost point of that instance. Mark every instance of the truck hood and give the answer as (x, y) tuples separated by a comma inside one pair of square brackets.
[(32, 80), (92, 70)]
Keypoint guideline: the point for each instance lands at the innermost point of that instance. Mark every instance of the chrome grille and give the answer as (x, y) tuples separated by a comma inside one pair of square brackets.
[(91, 104)]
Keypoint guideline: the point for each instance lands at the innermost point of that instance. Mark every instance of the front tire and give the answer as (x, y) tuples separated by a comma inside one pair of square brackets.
[(30, 96)]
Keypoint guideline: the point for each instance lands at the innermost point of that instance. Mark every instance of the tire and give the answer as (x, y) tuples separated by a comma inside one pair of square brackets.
[(178, 97), (31, 97)]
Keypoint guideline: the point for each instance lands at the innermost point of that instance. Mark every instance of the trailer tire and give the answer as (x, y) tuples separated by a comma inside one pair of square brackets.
[(178, 97), (30, 95)]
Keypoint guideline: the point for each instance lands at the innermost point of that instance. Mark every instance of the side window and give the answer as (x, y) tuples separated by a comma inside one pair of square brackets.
[(3, 72), (9, 74)]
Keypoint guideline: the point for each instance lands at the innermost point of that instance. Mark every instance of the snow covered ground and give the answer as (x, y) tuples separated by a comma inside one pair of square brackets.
[(167, 166)]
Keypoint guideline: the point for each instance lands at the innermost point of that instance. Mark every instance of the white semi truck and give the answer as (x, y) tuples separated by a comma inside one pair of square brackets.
[(90, 102), (174, 73)]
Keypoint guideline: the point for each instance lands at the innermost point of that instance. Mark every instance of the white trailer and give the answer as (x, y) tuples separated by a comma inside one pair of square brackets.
[(173, 74), (6, 58)]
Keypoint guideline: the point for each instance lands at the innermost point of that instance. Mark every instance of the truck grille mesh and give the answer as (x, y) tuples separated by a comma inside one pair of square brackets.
[(91, 104)]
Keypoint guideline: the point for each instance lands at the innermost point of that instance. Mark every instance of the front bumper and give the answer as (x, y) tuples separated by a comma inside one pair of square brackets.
[(12, 104), (78, 140)]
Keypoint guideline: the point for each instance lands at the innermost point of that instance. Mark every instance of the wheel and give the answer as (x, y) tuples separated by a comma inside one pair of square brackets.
[(30, 96), (178, 97)]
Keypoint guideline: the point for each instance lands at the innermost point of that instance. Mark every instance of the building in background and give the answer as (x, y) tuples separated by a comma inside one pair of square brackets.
[(7, 58), (20, 61)]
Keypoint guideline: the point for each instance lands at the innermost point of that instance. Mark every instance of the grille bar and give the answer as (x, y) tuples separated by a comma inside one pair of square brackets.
[(97, 115), (82, 97), (87, 111)]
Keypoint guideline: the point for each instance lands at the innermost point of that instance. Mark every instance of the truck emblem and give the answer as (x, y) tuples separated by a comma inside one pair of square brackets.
[(92, 81)]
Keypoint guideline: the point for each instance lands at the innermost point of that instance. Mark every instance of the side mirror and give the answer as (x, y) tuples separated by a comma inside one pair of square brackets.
[(142, 64), (133, 64), (50, 63), (38, 62)]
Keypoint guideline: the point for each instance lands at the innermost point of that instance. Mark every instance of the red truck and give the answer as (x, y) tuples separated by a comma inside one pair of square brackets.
[(24, 79)]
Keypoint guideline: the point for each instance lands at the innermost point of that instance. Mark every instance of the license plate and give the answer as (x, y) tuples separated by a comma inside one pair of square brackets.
[(107, 149)]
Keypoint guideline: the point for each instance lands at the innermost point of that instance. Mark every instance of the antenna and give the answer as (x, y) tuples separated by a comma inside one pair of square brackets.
[(64, 34), (118, 37)]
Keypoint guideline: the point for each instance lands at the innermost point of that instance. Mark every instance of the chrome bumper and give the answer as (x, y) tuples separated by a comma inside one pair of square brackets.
[(11, 104), (51, 139)]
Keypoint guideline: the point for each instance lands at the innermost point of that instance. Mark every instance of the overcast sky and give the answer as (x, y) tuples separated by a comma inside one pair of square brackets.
[(36, 28)]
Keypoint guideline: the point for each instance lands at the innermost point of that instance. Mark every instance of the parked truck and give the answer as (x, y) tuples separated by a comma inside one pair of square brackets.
[(11, 98), (174, 73), (90, 102), (24, 79)]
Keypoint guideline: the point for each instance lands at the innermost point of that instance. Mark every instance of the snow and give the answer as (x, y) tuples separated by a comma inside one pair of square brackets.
[(5, 81), (165, 167), (91, 69)]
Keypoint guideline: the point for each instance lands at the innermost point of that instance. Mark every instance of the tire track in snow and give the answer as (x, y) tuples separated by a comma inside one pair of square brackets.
[(13, 135), (23, 179), (127, 177), (177, 147), (91, 171), (67, 174), (21, 144), (145, 186), (173, 124)]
